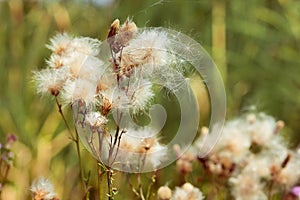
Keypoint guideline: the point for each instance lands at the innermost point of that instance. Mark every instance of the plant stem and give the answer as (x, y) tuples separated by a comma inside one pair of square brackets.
[(76, 140), (80, 162), (6, 172), (64, 119), (100, 174), (109, 185), (153, 180), (270, 189), (140, 187)]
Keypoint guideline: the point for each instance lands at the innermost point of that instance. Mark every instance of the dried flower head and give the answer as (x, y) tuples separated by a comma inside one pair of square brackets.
[(140, 94), (141, 147), (164, 193), (247, 186), (185, 160), (79, 89), (60, 43), (288, 173), (262, 129), (147, 49), (113, 31), (187, 192), (72, 58), (127, 32), (42, 189), (51, 81), (95, 119)]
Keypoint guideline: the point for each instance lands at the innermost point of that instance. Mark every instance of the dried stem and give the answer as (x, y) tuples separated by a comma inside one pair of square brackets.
[(76, 140), (64, 119), (109, 184)]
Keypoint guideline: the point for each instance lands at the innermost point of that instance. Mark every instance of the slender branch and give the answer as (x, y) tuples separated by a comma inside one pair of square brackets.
[(116, 139), (116, 135), (100, 141), (118, 146), (134, 190), (76, 140), (109, 184), (64, 119), (92, 146)]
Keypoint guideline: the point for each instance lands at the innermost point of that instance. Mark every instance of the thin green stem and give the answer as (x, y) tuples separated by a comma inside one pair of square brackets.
[(153, 180)]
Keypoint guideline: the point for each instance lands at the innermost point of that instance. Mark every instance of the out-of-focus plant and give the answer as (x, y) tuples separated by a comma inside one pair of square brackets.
[(42, 189), (262, 47), (7, 158), (251, 161)]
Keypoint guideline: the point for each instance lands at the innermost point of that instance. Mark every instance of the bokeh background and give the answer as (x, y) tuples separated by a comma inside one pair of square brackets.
[(255, 44)]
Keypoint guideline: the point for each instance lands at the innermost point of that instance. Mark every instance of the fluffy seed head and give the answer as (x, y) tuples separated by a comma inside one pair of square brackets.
[(137, 144), (187, 192), (42, 189), (95, 119), (60, 43), (50, 80), (140, 95), (79, 89), (247, 187), (127, 32), (148, 48)]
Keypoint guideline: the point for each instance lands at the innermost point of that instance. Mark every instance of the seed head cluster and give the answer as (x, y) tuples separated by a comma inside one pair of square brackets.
[(104, 91), (252, 155)]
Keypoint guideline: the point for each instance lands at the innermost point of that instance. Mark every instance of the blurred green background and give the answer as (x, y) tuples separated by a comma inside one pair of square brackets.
[(256, 45)]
